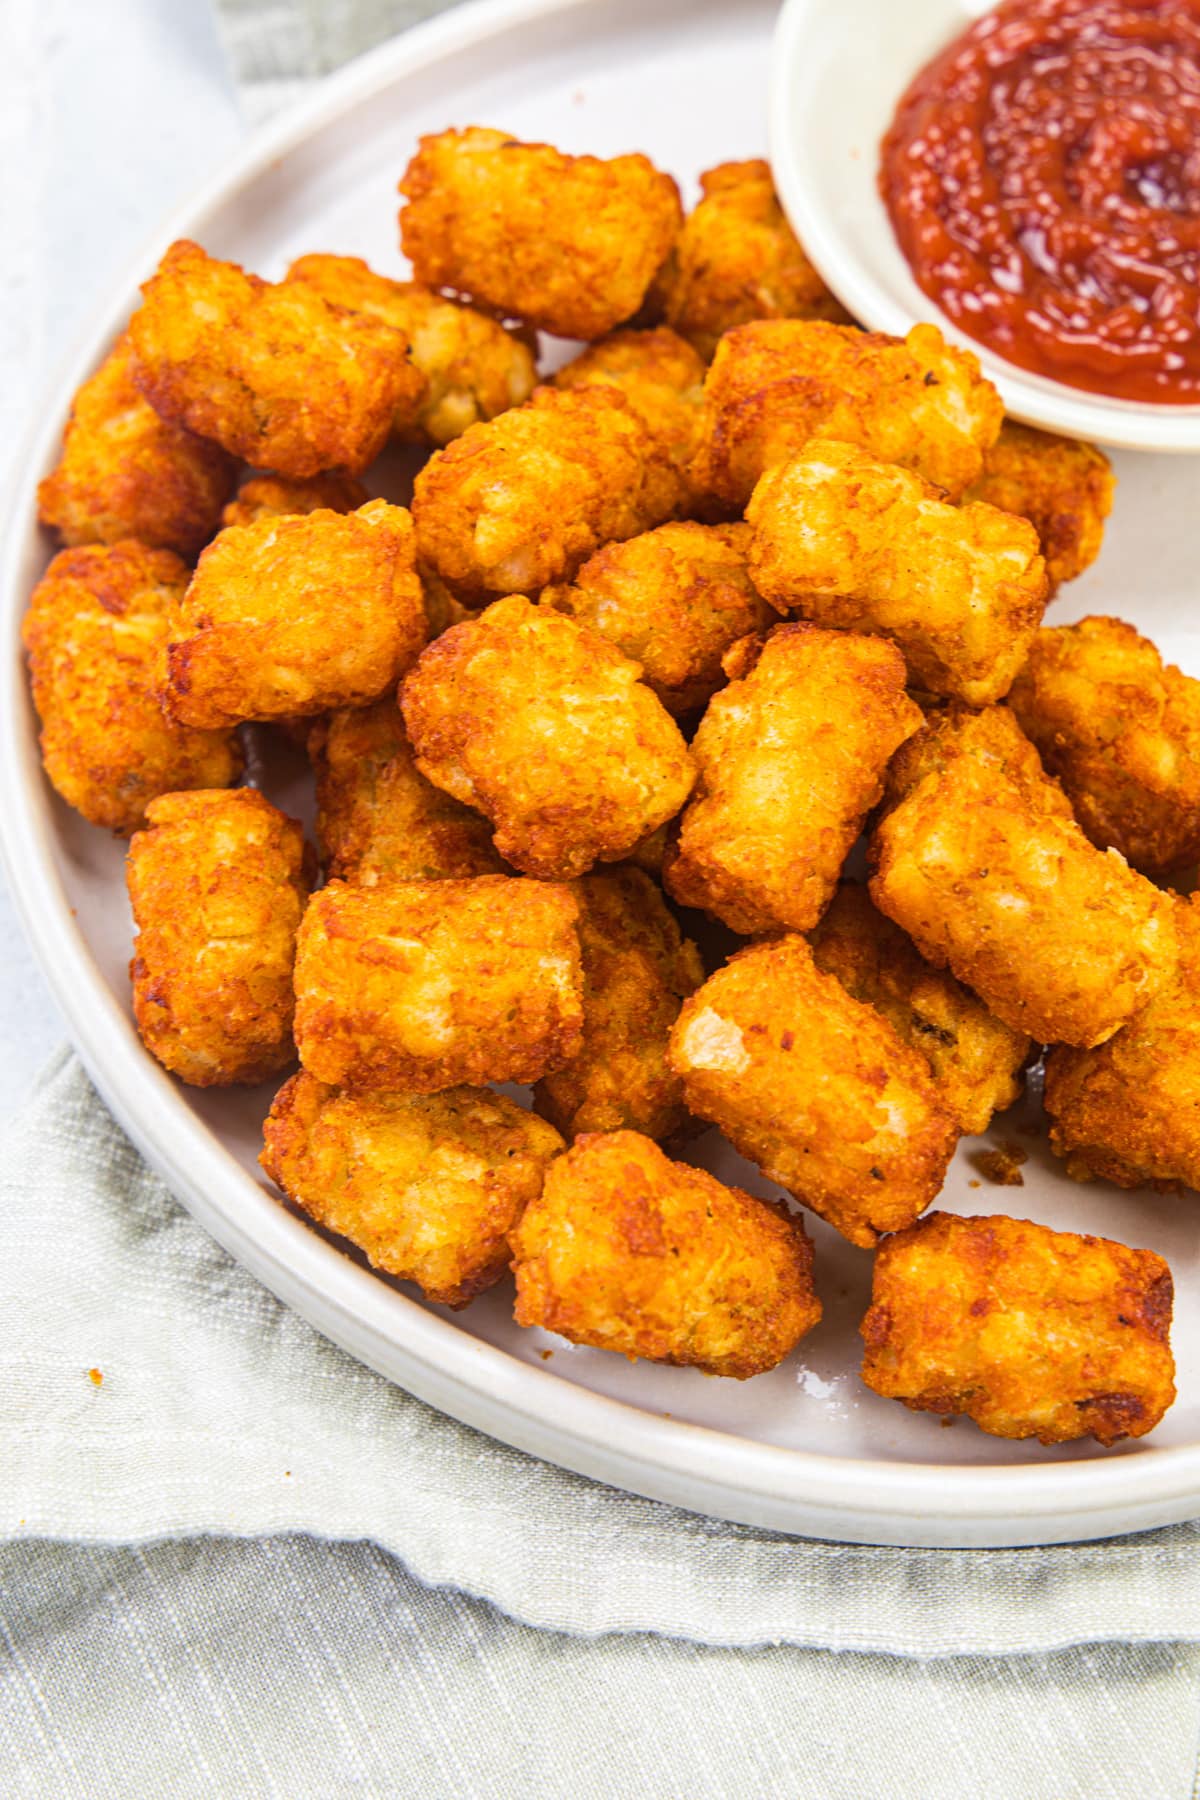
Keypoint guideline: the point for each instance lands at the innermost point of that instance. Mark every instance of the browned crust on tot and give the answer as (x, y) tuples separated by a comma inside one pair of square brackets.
[(638, 969), (982, 864), (791, 757), (96, 633), (737, 259), (976, 1061), (126, 473), (1029, 1332), (543, 727), (776, 383), (815, 1088), (217, 882), (427, 1186), (1121, 731), (272, 372), (290, 616), (378, 819), (1127, 1112), (569, 244), (1063, 486), (524, 499), (417, 986), (628, 1251)]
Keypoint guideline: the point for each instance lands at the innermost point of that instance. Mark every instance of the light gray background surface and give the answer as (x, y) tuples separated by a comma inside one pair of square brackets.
[(111, 111)]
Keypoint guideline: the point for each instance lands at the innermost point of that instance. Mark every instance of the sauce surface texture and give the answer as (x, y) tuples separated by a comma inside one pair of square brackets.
[(1043, 178)]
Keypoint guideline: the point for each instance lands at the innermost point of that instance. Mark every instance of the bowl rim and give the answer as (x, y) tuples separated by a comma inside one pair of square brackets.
[(1031, 398)]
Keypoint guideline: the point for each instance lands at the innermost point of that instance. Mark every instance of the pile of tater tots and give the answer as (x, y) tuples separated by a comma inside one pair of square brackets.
[(670, 628)]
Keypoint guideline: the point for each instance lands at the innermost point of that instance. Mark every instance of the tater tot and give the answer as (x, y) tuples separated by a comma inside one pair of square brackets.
[(1127, 1112), (737, 259), (1062, 486), (790, 759), (650, 852), (675, 600), (663, 380), (290, 616), (442, 610), (775, 384), (418, 986), (378, 819), (126, 473), (992, 736), (428, 1186), (1029, 1332), (568, 244), (96, 633), (976, 1061), (544, 727), (849, 541), (982, 864), (520, 502), (815, 1088), (473, 367), (273, 373), (217, 882), (274, 497), (638, 969), (1121, 731), (626, 1250)]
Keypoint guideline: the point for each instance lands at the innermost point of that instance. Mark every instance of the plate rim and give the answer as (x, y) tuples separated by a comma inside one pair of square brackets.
[(695, 1467), (1035, 399)]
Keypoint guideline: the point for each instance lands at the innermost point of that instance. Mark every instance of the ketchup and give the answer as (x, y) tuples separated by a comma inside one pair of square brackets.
[(1043, 178)]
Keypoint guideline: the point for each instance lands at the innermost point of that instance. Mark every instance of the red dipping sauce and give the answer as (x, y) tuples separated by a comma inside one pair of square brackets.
[(1043, 178)]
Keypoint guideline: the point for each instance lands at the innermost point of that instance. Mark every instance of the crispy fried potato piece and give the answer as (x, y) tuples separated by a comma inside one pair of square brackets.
[(273, 373), (418, 986), (291, 616), (628, 1251), (473, 367), (775, 384), (791, 758), (428, 1186), (976, 1061), (1121, 731), (96, 633), (849, 541), (1127, 1112), (663, 380), (568, 244), (1062, 486), (378, 819), (737, 259), (442, 610), (676, 600), (982, 864), (274, 497), (815, 1088), (217, 881), (1029, 1332), (520, 502), (993, 737), (543, 727), (649, 852), (637, 970), (126, 473)]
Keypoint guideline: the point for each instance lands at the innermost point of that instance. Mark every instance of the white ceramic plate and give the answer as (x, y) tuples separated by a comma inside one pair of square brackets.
[(807, 1448), (838, 69)]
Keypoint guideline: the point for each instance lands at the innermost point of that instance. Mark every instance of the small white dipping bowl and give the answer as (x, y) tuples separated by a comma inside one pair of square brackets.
[(838, 69)]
